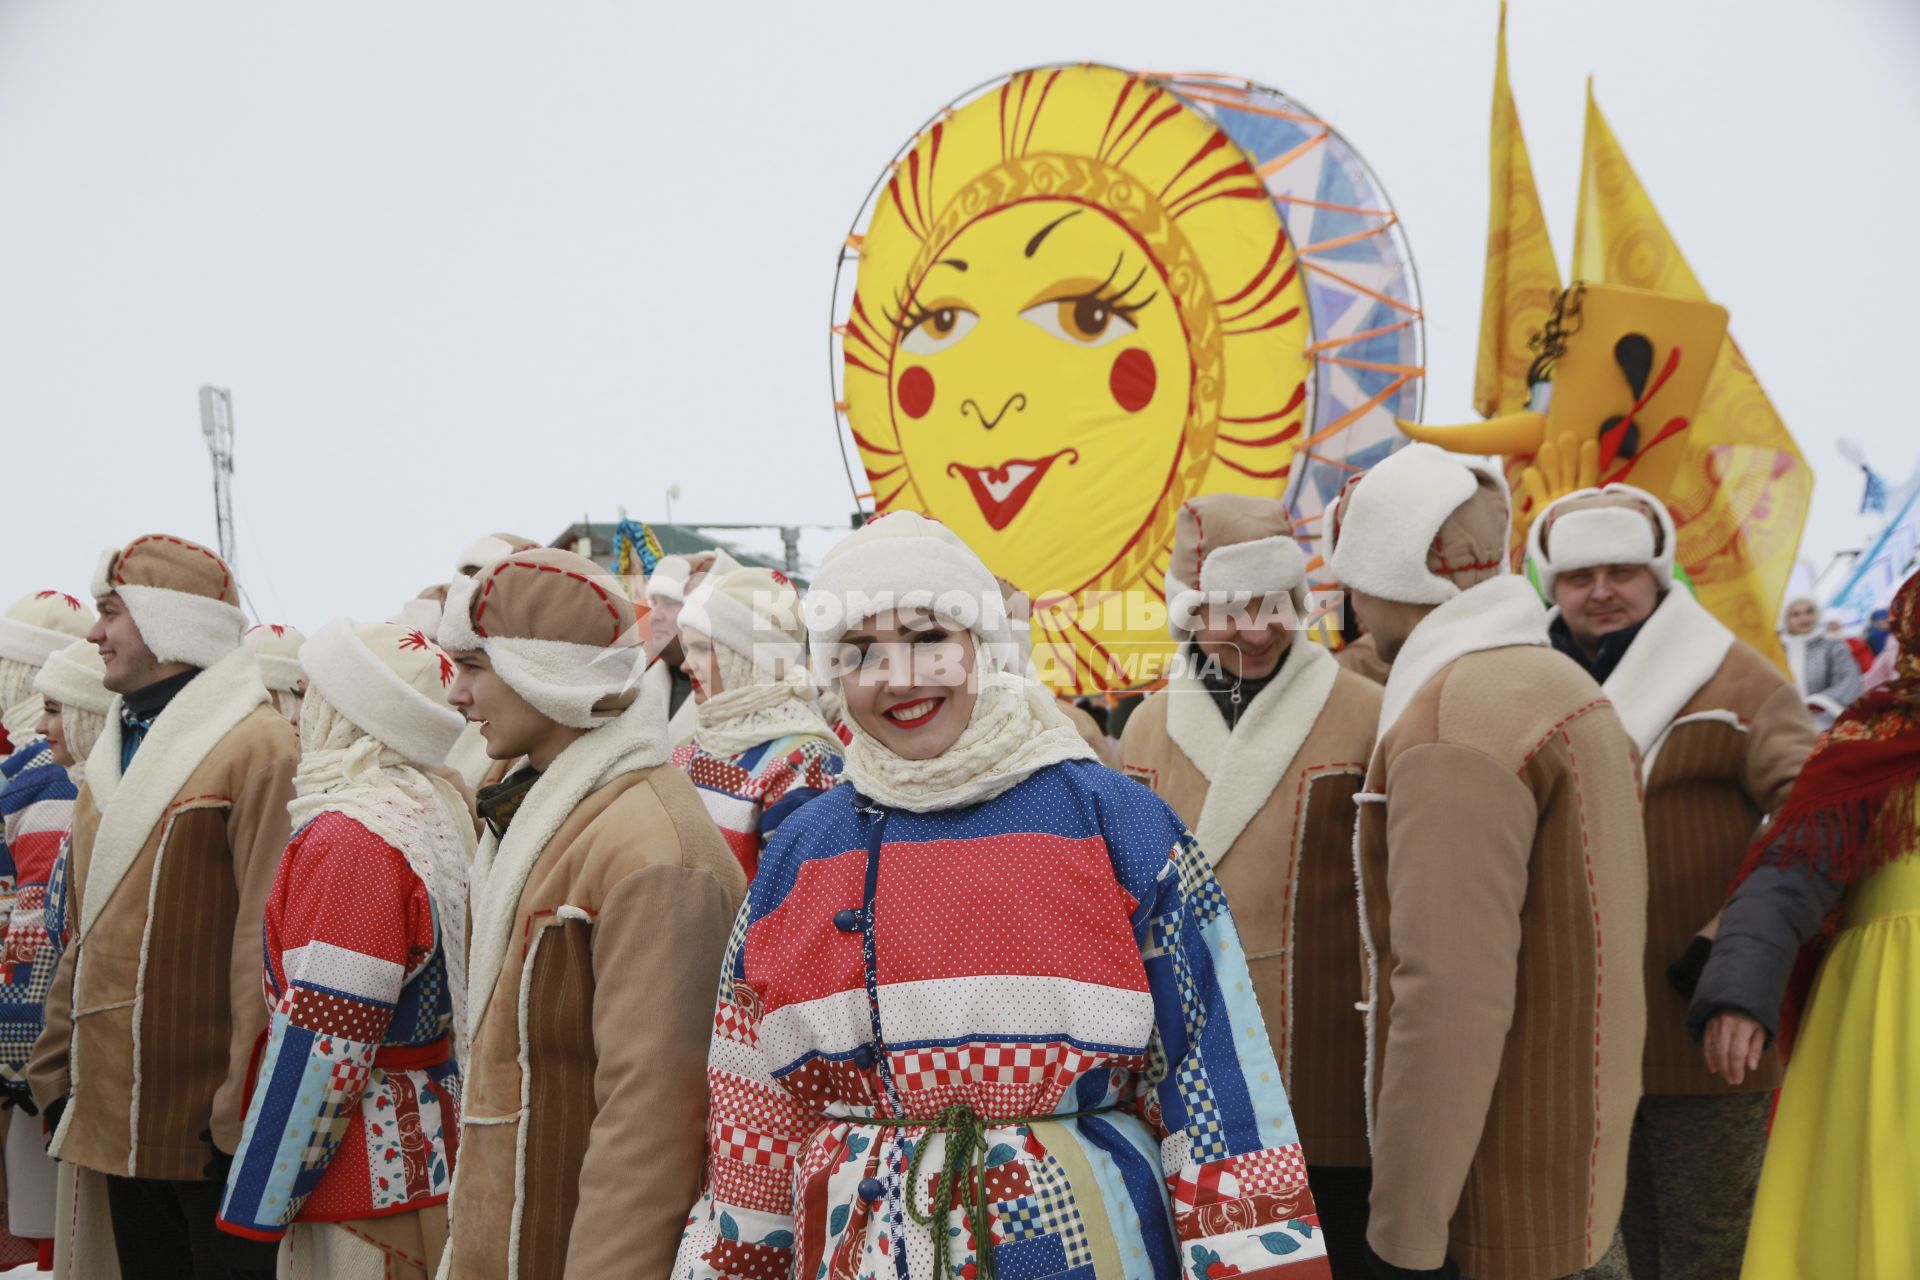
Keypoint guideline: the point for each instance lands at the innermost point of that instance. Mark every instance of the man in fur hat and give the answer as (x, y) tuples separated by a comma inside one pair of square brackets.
[(155, 1005), (1260, 742), (1722, 734), (603, 896), (1503, 897)]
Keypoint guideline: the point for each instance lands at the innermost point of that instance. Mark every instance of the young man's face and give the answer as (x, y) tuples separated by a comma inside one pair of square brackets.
[(699, 664), (508, 722), (913, 689), (1249, 640), (55, 733), (130, 664), (1607, 598)]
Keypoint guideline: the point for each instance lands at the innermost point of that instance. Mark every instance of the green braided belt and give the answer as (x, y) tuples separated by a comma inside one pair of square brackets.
[(965, 1162)]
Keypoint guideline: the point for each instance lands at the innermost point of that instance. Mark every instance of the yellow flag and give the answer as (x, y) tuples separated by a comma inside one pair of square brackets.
[(1739, 496), (1521, 280)]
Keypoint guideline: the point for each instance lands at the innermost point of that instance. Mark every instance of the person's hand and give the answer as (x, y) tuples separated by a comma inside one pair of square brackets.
[(51, 1120), (1565, 463), (1733, 1043)]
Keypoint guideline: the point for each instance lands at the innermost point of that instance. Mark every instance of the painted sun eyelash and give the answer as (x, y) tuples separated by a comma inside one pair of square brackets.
[(1116, 299)]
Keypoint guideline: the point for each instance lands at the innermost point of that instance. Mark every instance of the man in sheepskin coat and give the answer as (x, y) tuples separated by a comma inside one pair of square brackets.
[(602, 898), (1259, 743), (1722, 734), (1503, 885), (155, 1005)]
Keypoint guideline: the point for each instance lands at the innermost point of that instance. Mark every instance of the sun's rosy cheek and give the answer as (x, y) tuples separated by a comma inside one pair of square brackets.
[(1132, 379), (915, 392)]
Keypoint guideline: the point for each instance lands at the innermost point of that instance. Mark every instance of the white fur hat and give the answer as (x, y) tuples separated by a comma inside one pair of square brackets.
[(482, 552), (754, 612), (277, 648), (670, 576), (181, 596), (388, 679), (903, 560), (1615, 524), (1390, 519), (75, 677), (37, 626), (1231, 548), (557, 628)]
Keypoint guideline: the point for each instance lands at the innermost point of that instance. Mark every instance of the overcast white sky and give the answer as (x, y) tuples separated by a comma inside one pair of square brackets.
[(483, 265)]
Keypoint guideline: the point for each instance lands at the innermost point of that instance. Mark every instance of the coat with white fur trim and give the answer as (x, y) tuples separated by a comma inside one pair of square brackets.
[(1288, 878), (155, 1004), (585, 1106), (1718, 769), (1503, 906)]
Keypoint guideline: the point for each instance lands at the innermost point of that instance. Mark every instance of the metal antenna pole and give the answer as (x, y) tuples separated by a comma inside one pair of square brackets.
[(216, 424)]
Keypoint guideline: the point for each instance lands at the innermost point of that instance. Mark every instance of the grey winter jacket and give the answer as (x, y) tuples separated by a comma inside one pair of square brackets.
[(1769, 918), (1831, 671)]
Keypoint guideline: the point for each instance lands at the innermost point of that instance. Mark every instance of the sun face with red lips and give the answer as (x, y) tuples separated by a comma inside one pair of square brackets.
[(1072, 292)]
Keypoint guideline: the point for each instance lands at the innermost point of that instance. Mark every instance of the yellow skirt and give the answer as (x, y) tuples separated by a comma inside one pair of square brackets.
[(1840, 1193)]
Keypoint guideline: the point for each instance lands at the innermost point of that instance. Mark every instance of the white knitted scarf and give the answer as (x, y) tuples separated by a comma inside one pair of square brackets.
[(1016, 729), (754, 706), (20, 707), (346, 771)]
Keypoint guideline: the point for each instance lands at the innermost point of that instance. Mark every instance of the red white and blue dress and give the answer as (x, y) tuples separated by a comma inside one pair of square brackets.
[(36, 811), (751, 794), (354, 1111), (1054, 977)]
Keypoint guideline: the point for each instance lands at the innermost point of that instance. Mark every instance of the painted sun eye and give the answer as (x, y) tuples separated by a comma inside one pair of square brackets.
[(1089, 320), (938, 329)]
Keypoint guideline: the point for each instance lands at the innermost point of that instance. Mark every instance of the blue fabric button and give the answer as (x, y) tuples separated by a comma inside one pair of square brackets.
[(863, 1057), (847, 920), (871, 1189)]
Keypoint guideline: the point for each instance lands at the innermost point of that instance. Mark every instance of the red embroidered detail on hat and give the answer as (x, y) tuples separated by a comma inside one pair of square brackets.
[(119, 577), (48, 595)]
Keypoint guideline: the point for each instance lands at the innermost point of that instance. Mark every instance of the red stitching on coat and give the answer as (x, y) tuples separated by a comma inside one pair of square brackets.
[(382, 1246), (1562, 723), (178, 805), (613, 610), (120, 561)]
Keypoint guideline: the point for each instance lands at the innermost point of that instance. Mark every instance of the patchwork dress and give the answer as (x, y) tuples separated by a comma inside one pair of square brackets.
[(751, 794), (1035, 1010), (354, 1108), (36, 810)]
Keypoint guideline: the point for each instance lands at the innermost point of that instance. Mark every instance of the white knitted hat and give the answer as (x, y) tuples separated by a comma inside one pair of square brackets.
[(903, 560), (1615, 524), (557, 628), (75, 677), (181, 596), (277, 648), (753, 612), (1390, 519), (391, 681), (39, 625)]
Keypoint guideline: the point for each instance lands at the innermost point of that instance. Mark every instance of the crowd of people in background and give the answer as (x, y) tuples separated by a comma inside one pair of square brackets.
[(562, 925)]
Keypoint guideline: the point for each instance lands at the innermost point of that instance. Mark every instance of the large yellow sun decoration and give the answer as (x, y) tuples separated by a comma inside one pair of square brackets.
[(1076, 307)]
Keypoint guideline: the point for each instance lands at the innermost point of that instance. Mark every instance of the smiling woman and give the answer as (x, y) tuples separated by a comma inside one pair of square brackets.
[(985, 1006)]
